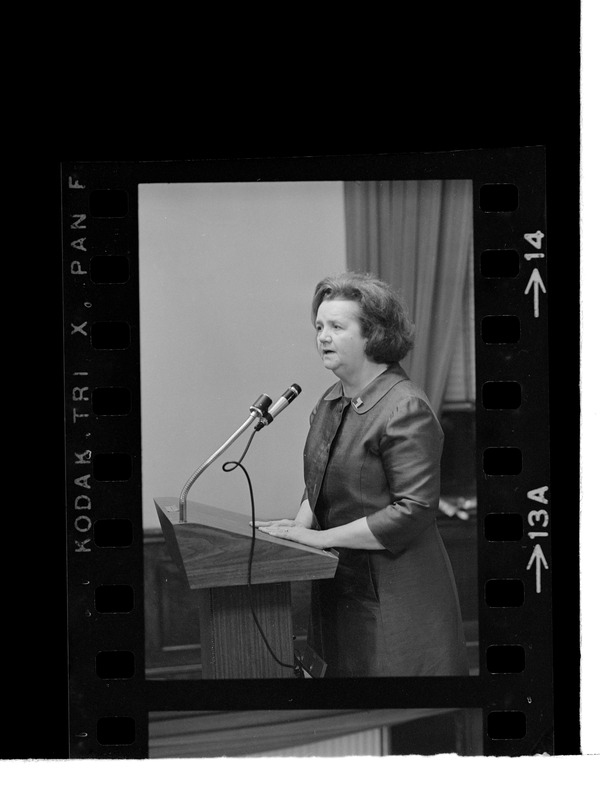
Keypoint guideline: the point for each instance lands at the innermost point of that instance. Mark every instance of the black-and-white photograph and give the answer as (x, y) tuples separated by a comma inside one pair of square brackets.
[(317, 406), (307, 364), (309, 476)]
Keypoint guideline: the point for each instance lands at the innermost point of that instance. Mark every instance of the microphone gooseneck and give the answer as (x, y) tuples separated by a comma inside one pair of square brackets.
[(257, 410), (264, 412)]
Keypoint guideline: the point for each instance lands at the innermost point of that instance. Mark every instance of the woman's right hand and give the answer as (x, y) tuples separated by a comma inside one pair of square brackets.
[(304, 519), (284, 523)]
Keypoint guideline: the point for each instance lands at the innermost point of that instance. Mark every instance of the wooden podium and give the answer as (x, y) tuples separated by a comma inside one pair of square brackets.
[(212, 550)]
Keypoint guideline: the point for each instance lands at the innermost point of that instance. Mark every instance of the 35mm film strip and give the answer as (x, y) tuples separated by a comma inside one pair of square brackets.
[(114, 697)]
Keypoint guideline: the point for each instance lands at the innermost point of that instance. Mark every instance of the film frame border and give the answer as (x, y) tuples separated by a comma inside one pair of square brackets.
[(100, 311)]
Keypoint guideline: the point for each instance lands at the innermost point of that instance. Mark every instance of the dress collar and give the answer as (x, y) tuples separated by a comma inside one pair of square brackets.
[(373, 392)]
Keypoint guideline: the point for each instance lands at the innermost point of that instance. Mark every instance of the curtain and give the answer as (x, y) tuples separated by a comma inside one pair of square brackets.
[(418, 237), (460, 389)]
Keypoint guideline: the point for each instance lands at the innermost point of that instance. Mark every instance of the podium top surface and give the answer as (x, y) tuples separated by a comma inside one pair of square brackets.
[(213, 547)]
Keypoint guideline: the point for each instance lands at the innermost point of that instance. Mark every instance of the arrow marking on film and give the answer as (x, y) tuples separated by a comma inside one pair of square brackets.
[(536, 281), (539, 558)]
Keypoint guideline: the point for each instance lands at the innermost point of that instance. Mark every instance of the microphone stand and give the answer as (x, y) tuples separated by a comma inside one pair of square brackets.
[(257, 412)]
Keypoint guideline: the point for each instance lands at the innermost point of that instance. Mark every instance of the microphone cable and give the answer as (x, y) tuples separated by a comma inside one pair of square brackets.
[(229, 466)]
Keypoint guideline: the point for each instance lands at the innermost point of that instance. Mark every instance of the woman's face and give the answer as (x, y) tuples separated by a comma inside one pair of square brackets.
[(339, 337)]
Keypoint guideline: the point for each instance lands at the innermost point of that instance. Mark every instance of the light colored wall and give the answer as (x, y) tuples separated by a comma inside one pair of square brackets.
[(227, 273)]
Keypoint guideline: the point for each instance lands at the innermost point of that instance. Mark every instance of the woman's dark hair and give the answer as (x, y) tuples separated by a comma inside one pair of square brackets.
[(383, 319)]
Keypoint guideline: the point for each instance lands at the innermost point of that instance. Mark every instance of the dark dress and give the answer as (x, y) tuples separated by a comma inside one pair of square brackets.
[(391, 612)]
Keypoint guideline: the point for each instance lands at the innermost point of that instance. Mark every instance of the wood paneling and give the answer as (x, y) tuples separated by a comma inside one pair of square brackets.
[(231, 643), (172, 624)]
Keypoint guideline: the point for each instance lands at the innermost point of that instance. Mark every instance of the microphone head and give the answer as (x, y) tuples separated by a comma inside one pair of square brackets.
[(261, 404), (286, 398), (292, 393)]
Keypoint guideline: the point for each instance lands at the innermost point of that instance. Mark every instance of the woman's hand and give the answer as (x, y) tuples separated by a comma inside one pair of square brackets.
[(290, 529), (355, 535), (287, 523)]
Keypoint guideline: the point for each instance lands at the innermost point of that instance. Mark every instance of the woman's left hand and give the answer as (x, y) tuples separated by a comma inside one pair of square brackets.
[(296, 533)]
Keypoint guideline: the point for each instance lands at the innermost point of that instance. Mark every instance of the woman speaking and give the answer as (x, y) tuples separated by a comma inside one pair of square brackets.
[(372, 482)]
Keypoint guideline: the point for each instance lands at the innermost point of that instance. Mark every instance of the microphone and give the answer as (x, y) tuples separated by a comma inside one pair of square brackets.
[(260, 406), (286, 398), (257, 411)]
